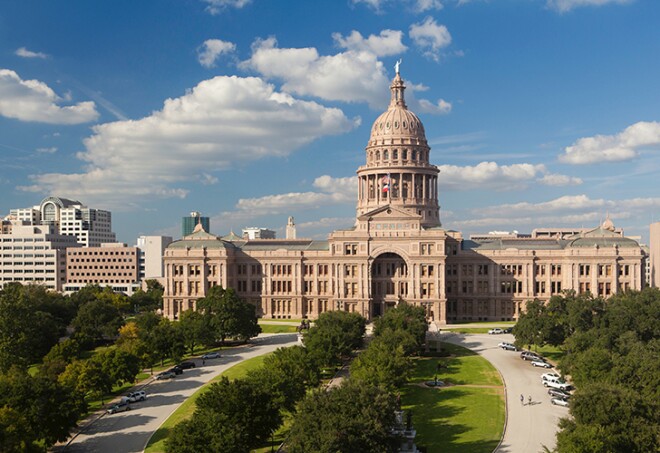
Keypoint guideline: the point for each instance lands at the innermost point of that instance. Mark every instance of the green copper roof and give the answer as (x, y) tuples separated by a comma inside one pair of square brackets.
[(602, 238)]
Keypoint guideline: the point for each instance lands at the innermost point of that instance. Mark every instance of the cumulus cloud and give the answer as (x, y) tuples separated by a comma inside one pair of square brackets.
[(430, 37), (442, 107), (416, 5), (351, 76), (386, 44), (559, 180), (332, 191), (488, 175), (613, 148), (23, 52), (219, 123), (215, 7), (208, 53), (32, 100), (563, 6), (567, 211)]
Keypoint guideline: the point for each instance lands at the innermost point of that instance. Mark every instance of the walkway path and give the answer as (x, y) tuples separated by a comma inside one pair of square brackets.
[(529, 426), (130, 431)]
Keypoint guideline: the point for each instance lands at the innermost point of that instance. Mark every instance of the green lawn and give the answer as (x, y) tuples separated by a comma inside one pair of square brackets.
[(551, 352), (468, 329), (275, 328), (185, 411), (298, 320), (458, 418)]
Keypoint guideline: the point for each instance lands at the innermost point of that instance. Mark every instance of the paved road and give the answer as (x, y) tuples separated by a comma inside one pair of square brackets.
[(529, 427), (130, 431)]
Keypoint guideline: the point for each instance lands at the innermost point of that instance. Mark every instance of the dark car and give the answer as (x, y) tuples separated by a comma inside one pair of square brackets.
[(555, 393), (508, 330), (176, 369), (186, 365)]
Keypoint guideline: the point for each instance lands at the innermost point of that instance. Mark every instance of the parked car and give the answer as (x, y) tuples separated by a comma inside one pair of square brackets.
[(508, 330), (495, 331), (507, 346), (559, 402), (186, 365), (528, 355), (550, 377), (559, 385), (559, 394), (119, 407), (541, 363), (176, 369), (169, 374), (211, 355), (140, 395)]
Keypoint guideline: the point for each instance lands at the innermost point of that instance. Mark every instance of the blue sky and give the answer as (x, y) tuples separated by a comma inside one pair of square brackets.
[(540, 113)]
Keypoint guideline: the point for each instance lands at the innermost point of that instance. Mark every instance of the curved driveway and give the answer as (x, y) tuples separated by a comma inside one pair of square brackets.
[(530, 426), (130, 431)]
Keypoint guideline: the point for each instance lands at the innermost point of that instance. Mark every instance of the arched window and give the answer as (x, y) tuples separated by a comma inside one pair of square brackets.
[(377, 155), (386, 155), (395, 155), (404, 154)]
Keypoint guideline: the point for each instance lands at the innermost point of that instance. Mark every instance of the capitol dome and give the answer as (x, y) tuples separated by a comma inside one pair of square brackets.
[(397, 122)]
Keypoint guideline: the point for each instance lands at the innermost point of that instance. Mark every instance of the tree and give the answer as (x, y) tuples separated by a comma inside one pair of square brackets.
[(286, 374), (229, 316), (383, 363), (35, 411), (149, 300), (97, 320), (27, 332), (619, 416), (350, 418), (334, 335), (234, 416), (165, 342), (194, 328), (529, 328), (407, 318)]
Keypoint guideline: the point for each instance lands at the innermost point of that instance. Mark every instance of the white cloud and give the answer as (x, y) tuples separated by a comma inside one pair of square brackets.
[(566, 5), (613, 148), (442, 107), (418, 6), (559, 180), (333, 191), (23, 52), (208, 53), (50, 150), (430, 37), (427, 5), (386, 44), (215, 7), (351, 76), (488, 175), (219, 123), (568, 202), (32, 100)]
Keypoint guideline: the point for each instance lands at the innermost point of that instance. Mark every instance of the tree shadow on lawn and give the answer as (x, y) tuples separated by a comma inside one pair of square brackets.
[(434, 419)]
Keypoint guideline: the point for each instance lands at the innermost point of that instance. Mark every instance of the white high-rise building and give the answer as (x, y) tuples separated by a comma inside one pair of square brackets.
[(34, 254), (91, 227), (151, 250)]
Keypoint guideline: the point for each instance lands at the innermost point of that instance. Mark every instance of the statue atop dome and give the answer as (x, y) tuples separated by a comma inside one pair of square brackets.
[(397, 64)]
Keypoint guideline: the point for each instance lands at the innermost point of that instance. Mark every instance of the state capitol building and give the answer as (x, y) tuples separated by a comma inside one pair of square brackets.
[(398, 251)]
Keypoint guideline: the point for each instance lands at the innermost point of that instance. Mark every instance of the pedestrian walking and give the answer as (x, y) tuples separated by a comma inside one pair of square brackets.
[(529, 399), (522, 400), (203, 362)]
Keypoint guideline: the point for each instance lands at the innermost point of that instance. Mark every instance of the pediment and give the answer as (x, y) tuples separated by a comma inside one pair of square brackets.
[(389, 212)]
